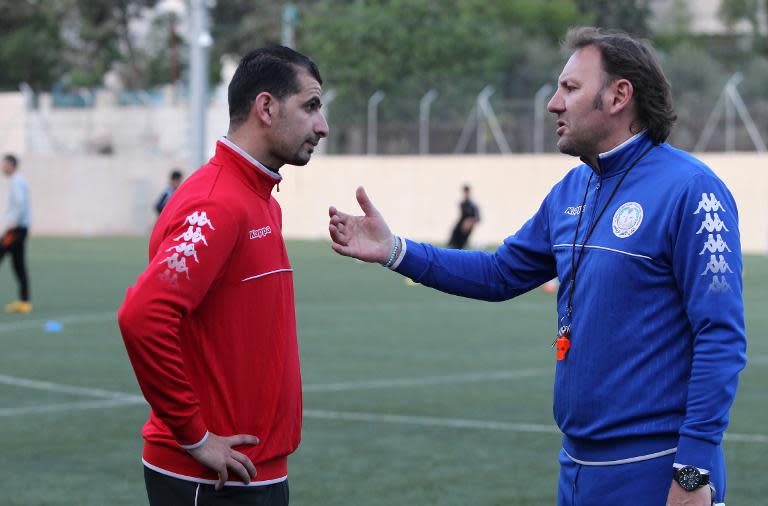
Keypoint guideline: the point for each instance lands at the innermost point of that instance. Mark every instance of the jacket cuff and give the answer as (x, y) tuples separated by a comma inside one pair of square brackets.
[(695, 452), (411, 264), (193, 434)]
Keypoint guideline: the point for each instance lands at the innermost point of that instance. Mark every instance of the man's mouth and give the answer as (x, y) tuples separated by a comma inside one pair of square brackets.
[(561, 126)]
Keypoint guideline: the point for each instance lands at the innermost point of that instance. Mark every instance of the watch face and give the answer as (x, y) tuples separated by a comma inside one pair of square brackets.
[(689, 478)]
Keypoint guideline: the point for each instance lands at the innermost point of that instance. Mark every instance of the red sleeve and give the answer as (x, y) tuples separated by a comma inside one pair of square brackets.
[(190, 257)]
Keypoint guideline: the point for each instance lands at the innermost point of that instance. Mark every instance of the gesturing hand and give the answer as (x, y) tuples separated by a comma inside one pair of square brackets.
[(217, 453), (364, 237)]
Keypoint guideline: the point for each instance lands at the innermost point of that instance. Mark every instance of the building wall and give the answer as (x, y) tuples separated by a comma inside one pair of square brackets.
[(13, 130), (419, 196), (704, 17)]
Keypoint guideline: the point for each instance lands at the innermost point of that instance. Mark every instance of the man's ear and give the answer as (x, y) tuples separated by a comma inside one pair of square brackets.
[(623, 92), (264, 108)]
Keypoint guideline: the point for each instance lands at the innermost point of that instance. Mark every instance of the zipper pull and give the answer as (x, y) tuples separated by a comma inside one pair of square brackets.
[(278, 187)]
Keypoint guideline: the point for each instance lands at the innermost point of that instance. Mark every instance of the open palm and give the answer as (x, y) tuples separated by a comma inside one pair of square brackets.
[(366, 237)]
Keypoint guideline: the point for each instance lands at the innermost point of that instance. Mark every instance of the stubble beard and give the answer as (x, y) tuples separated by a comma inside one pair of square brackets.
[(585, 145)]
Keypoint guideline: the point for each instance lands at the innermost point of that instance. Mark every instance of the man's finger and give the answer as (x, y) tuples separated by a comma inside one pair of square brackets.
[(246, 462), (223, 477), (341, 249), (239, 469), (337, 236), (241, 439), (340, 217), (365, 203)]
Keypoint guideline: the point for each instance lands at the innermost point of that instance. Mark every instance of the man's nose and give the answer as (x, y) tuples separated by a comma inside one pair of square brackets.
[(321, 128), (555, 103)]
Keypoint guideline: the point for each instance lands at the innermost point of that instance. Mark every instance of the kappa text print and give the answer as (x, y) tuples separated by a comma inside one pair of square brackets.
[(177, 261), (717, 264)]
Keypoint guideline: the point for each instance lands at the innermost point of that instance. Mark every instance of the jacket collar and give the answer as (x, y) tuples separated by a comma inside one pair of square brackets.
[(253, 172), (619, 158)]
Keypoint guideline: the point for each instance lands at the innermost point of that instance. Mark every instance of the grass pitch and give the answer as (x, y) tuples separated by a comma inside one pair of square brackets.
[(411, 396)]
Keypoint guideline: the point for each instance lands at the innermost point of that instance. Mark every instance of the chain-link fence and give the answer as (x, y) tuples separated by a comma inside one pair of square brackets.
[(392, 125)]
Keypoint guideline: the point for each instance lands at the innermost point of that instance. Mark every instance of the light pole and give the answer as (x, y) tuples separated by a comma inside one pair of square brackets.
[(199, 42)]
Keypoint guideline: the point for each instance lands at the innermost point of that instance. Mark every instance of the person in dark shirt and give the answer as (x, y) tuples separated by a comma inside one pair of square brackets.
[(173, 183), (470, 215)]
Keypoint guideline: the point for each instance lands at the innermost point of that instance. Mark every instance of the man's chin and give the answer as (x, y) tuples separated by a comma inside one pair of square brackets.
[(565, 148), (300, 161)]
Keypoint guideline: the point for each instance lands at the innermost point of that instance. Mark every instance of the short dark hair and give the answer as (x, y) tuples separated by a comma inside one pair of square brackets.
[(176, 174), (11, 159), (624, 57), (273, 69)]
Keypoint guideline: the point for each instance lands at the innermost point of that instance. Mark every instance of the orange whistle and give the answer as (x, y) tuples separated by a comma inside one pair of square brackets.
[(562, 344)]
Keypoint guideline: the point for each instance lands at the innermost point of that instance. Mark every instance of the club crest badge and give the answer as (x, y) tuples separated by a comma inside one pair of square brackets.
[(627, 219)]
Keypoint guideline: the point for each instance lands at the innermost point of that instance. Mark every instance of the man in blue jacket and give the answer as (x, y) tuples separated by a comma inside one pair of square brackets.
[(644, 239)]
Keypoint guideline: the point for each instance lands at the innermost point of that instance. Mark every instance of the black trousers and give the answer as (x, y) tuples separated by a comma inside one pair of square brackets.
[(13, 242), (169, 491), (458, 238)]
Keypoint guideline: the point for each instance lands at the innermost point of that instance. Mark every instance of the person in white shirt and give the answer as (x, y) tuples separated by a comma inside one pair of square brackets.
[(15, 229)]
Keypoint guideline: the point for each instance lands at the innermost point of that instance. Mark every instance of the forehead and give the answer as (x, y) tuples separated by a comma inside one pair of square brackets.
[(308, 85), (585, 64)]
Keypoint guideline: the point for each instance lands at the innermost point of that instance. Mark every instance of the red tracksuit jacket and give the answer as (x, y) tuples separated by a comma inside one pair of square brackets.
[(210, 325)]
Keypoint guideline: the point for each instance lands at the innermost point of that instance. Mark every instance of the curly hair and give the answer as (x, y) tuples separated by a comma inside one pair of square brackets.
[(624, 57)]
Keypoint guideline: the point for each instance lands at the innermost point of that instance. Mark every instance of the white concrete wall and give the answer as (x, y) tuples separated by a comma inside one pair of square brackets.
[(13, 129), (419, 196)]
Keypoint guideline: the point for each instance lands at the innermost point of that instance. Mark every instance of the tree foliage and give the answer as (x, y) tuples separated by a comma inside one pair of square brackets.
[(406, 47), (102, 38), (402, 47), (30, 44), (72, 42), (733, 12), (631, 16)]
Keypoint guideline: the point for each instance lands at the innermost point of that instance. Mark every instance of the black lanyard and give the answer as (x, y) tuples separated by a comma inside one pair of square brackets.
[(575, 263)]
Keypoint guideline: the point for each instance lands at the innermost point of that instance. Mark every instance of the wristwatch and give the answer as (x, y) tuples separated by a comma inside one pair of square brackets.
[(690, 478)]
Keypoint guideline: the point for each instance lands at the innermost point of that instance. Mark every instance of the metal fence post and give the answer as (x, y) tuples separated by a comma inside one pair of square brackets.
[(326, 99), (424, 107), (539, 108), (373, 120)]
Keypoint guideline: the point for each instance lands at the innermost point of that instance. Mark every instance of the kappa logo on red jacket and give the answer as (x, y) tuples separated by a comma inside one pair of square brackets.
[(258, 233), (177, 261)]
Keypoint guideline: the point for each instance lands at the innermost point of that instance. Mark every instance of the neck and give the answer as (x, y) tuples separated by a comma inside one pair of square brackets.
[(251, 144), (610, 144)]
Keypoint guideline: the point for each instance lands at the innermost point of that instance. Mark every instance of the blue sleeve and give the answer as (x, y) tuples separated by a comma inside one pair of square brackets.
[(707, 266), (522, 263)]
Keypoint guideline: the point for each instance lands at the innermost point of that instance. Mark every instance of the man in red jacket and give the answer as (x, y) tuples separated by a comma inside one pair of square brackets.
[(210, 325)]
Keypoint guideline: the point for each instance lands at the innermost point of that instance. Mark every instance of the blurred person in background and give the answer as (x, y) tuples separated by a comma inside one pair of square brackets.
[(644, 239), (210, 325), (174, 180), (15, 229), (469, 216)]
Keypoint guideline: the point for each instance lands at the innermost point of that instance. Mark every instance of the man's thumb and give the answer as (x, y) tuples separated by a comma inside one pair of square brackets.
[(365, 203)]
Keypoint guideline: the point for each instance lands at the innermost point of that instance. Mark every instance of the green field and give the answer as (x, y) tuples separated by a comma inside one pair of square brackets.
[(412, 397)]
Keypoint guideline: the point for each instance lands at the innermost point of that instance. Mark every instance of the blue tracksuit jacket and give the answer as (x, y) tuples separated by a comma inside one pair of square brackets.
[(657, 331)]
